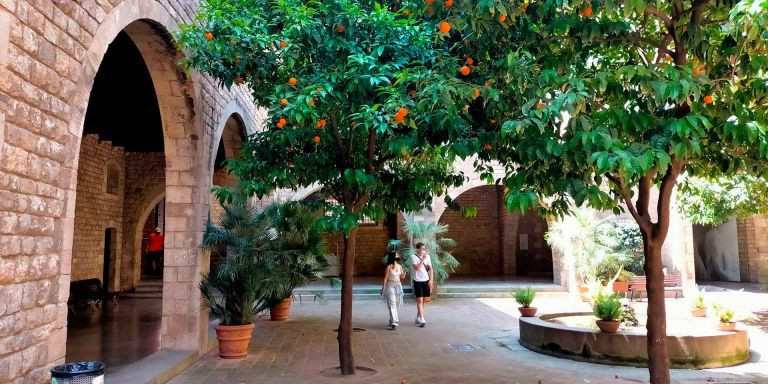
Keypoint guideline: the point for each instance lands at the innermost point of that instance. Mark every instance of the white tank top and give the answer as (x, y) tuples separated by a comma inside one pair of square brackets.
[(394, 274)]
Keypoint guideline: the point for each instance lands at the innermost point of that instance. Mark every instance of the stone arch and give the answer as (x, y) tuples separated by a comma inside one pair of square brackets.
[(147, 24), (230, 137), (233, 108), (495, 242)]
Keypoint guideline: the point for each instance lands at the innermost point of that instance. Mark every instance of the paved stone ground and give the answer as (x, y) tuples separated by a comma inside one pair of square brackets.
[(298, 350)]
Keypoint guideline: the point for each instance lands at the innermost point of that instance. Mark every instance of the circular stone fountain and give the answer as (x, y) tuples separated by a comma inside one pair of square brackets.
[(696, 344)]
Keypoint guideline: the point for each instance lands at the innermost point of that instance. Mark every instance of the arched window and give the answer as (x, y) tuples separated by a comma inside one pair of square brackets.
[(113, 179)]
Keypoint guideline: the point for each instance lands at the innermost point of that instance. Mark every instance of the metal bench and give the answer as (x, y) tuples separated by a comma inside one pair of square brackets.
[(88, 292), (672, 282)]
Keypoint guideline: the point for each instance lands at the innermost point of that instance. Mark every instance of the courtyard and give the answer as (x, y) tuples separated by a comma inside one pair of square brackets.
[(465, 341)]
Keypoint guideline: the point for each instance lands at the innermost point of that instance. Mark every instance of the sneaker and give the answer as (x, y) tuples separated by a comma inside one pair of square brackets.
[(422, 323), (392, 326), (395, 325), (418, 320)]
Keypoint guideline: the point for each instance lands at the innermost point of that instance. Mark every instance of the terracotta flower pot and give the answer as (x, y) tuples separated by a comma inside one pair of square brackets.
[(527, 312), (699, 312), (280, 311), (583, 292), (233, 340), (620, 286), (728, 327), (608, 326)]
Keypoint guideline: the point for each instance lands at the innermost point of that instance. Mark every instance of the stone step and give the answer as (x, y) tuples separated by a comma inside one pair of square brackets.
[(142, 295), (149, 288), (150, 283)]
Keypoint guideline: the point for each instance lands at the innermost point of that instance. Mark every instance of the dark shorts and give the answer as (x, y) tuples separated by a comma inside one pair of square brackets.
[(155, 255), (421, 289)]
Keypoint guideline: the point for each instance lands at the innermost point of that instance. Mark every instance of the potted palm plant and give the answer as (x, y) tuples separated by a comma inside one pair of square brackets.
[(699, 308), (607, 308), (232, 290), (300, 256), (525, 297)]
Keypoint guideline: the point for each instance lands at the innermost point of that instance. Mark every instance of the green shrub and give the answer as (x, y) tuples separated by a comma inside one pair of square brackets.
[(607, 307), (525, 296)]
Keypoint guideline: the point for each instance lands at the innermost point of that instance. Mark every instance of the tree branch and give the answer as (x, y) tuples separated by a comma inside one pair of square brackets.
[(644, 190), (643, 221), (339, 142), (663, 17), (661, 228), (371, 147)]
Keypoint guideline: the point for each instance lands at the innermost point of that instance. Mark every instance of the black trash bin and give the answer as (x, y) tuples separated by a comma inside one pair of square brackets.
[(84, 372)]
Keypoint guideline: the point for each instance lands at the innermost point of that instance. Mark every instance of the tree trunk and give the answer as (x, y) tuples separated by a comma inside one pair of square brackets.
[(346, 358), (658, 359)]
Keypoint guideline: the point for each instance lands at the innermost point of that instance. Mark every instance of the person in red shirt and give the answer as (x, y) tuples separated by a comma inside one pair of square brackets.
[(155, 250)]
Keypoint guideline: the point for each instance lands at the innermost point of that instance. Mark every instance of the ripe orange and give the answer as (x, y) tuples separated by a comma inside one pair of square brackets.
[(237, 61), (431, 10), (685, 28), (464, 70), (311, 102), (293, 81), (320, 123), (280, 126), (708, 99), (318, 89), (316, 139), (502, 18), (448, 3), (445, 27), (289, 164), (488, 147), (429, 2), (352, 124), (588, 11), (283, 102), (402, 111), (399, 119), (238, 80), (470, 61), (283, 44), (539, 105), (340, 28), (477, 93), (282, 121), (406, 13), (423, 155), (407, 155), (209, 36)]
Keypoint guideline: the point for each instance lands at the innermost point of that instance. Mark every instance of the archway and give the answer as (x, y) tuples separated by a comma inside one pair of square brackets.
[(140, 114), (716, 252), (230, 143), (496, 242)]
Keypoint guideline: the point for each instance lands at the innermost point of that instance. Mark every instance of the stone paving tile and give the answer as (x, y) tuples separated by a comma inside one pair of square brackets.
[(296, 351)]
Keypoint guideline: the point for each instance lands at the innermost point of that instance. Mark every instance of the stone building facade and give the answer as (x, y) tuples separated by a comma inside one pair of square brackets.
[(56, 185), (50, 52)]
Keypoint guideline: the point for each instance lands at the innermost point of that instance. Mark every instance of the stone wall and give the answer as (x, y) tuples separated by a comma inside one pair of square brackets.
[(371, 246), (490, 243), (753, 248), (49, 55), (477, 238), (96, 209), (144, 188)]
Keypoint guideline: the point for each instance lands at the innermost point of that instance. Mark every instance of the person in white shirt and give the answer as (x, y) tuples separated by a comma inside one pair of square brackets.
[(423, 280)]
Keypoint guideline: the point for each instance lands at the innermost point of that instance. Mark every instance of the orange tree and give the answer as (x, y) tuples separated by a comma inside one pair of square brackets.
[(362, 98), (598, 102)]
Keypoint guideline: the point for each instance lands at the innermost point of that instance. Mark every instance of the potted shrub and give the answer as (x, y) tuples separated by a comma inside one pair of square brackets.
[(699, 308), (525, 297), (725, 316), (299, 249), (621, 281), (607, 308)]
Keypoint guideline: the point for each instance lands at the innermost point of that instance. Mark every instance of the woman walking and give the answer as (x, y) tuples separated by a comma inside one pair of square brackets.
[(392, 289)]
